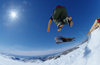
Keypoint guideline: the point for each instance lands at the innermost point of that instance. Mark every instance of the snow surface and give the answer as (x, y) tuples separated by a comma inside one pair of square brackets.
[(87, 54)]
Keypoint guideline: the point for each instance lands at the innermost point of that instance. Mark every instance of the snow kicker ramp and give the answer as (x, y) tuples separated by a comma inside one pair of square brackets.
[(87, 54)]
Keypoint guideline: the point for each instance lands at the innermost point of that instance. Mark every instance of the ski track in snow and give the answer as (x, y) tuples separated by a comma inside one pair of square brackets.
[(87, 54)]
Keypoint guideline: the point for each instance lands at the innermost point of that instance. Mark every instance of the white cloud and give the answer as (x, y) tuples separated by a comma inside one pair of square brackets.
[(37, 53)]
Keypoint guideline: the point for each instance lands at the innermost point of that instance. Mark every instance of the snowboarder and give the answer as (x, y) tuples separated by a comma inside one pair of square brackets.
[(60, 18), (95, 25)]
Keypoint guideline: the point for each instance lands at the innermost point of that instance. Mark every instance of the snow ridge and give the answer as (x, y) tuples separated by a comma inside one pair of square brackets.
[(87, 54)]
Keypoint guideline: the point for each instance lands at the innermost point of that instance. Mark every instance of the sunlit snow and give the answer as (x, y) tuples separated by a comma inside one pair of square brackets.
[(87, 54)]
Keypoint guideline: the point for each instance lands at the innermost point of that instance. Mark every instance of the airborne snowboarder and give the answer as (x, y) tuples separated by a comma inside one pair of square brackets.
[(60, 18)]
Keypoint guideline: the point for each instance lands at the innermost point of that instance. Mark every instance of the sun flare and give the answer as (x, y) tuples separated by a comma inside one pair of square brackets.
[(13, 14)]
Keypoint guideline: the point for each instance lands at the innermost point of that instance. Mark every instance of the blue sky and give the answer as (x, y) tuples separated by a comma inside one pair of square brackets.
[(28, 30)]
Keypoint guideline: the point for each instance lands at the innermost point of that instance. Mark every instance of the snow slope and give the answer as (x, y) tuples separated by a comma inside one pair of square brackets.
[(87, 54)]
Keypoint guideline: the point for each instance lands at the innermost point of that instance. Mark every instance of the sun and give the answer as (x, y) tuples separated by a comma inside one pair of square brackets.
[(13, 14)]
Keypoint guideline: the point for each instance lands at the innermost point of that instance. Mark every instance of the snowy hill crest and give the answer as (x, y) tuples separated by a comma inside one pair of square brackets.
[(87, 54)]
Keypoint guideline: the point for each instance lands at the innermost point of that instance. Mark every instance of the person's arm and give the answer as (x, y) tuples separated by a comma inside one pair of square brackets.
[(50, 21)]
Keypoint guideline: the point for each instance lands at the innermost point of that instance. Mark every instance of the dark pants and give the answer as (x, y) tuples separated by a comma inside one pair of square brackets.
[(59, 14)]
